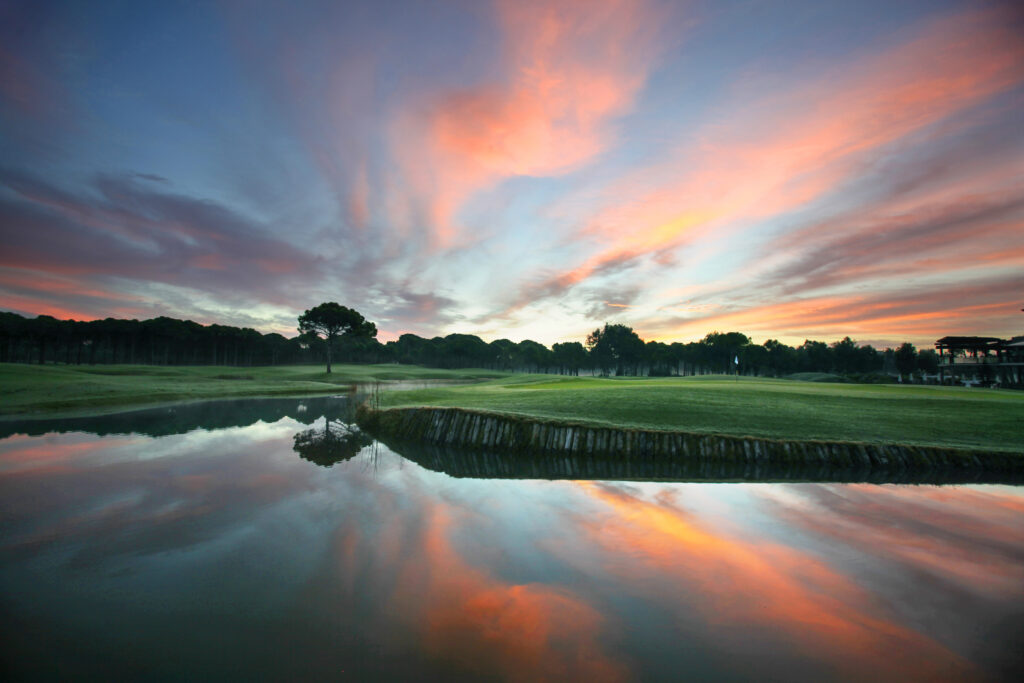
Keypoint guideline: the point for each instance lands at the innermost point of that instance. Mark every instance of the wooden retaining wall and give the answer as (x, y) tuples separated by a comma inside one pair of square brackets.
[(516, 435), (477, 463)]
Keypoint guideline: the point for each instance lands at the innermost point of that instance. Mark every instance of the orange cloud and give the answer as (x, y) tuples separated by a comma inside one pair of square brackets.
[(483, 625), (30, 290), (52, 283), (947, 229), (24, 453), (779, 591), (573, 66), (359, 198), (971, 235), (569, 68), (207, 261), (798, 146), (40, 306), (803, 144), (922, 314), (934, 529)]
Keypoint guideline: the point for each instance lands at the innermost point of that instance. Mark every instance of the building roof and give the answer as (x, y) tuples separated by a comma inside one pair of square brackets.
[(969, 342)]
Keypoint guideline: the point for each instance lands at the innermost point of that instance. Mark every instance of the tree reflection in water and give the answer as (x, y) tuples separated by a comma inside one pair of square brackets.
[(328, 445)]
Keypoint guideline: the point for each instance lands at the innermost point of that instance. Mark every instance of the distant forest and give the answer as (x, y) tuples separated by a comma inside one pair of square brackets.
[(612, 349)]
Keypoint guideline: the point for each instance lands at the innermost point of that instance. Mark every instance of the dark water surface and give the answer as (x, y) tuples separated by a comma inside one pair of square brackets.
[(250, 540)]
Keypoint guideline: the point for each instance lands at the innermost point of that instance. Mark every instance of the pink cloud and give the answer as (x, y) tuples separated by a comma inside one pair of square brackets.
[(53, 284), (44, 305), (786, 151), (481, 623), (887, 521), (921, 315), (757, 589), (568, 69)]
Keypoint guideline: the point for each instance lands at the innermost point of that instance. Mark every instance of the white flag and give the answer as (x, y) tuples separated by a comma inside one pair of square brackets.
[(736, 360)]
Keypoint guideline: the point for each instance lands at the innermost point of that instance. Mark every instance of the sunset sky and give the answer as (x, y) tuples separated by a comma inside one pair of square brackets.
[(519, 169)]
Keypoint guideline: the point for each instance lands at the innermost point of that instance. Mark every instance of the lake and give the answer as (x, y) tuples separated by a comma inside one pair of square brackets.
[(261, 540)]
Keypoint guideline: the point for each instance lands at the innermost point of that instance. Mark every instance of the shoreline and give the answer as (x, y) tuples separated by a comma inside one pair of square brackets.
[(134, 405), (512, 435), (32, 392), (472, 463), (131, 404)]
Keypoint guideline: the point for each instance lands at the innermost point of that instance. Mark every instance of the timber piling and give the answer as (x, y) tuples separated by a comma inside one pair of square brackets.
[(516, 435)]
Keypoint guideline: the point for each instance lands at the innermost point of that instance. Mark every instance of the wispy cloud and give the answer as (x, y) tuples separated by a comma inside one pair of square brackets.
[(774, 156), (508, 168), (130, 230), (915, 313), (760, 587), (567, 69)]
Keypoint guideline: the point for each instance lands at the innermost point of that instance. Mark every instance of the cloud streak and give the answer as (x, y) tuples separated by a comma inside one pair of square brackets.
[(799, 146), (514, 168), (567, 70), (127, 230), (763, 590), (892, 316)]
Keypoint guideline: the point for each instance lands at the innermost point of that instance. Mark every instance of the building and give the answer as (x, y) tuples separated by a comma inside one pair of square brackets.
[(981, 361)]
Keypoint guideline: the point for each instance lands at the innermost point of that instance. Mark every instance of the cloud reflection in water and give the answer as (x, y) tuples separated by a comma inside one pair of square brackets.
[(376, 566)]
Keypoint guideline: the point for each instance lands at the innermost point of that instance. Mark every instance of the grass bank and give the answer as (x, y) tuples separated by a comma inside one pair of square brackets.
[(945, 417), (73, 390)]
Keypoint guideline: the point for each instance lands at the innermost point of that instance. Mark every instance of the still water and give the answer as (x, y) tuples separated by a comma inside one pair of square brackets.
[(259, 540)]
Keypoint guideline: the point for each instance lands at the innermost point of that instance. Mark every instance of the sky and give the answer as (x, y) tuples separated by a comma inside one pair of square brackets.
[(519, 169)]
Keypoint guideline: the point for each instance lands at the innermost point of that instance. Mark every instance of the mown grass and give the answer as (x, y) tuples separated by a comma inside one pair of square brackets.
[(950, 417), (67, 390)]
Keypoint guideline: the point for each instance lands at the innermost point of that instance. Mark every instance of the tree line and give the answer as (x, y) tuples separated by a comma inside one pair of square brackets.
[(613, 349), (159, 341), (618, 350)]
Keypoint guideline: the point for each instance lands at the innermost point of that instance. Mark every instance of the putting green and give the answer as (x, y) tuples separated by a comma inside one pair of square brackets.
[(949, 417)]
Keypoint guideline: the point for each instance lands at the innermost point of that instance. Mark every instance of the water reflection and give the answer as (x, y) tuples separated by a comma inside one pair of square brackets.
[(758, 597), (186, 417), (477, 463), (330, 444), (339, 441), (223, 553)]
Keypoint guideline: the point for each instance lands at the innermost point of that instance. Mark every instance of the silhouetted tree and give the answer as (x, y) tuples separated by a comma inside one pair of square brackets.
[(529, 355), (815, 356), (753, 360), (782, 359), (331, 444), (12, 331), (613, 348), (569, 357), (928, 361), (350, 348), (845, 356), (411, 349), (503, 351), (660, 359), (330, 320), (723, 348), (906, 359), (616, 346), (45, 330), (869, 359), (465, 351)]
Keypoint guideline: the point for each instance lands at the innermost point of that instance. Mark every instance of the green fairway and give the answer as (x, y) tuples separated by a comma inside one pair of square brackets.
[(780, 409), (62, 390)]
